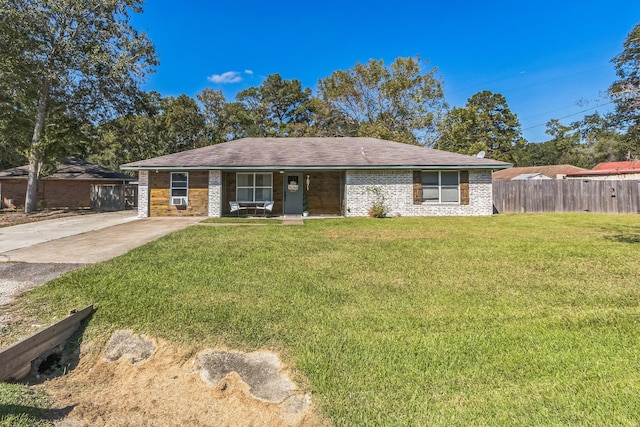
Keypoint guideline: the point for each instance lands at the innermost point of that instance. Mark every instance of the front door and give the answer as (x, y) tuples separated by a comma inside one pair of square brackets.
[(293, 194)]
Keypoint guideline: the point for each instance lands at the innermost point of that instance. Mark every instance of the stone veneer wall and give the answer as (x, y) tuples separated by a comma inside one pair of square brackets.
[(397, 190), (215, 194), (143, 194)]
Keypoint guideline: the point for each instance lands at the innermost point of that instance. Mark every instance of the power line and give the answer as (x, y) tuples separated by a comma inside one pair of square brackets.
[(522, 73), (571, 115)]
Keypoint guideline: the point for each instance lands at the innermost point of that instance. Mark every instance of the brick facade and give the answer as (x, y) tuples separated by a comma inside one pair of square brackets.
[(54, 193), (360, 192), (396, 187)]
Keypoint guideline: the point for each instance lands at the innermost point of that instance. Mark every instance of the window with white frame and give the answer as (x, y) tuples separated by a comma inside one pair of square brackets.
[(179, 189), (254, 187), (440, 187)]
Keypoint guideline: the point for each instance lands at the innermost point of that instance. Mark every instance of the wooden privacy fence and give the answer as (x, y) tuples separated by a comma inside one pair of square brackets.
[(567, 195), (113, 197)]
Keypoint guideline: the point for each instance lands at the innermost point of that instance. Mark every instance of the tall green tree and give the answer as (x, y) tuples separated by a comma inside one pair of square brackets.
[(583, 143), (601, 138), (243, 123), (216, 115), (162, 126), (277, 107), (626, 91), (131, 137), (183, 124), (328, 121), (398, 102), (69, 58), (567, 145), (15, 126), (485, 123), (126, 139)]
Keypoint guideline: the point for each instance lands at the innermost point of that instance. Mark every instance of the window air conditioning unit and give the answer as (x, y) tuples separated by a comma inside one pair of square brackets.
[(179, 201)]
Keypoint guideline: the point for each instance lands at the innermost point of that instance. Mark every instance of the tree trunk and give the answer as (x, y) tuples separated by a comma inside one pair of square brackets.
[(31, 197), (35, 155)]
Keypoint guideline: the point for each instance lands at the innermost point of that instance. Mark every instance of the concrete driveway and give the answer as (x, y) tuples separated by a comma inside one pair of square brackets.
[(84, 239), (32, 254), (33, 233)]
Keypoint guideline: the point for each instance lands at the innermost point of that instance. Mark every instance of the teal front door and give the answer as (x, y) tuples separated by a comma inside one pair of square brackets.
[(293, 189)]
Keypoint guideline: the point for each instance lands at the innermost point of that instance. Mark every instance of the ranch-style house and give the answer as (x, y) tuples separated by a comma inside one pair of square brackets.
[(341, 176)]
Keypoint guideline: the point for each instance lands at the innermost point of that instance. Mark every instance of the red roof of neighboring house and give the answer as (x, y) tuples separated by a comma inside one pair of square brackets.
[(611, 168), (633, 165)]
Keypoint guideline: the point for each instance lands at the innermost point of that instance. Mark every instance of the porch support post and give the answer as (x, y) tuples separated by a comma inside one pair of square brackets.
[(143, 194), (215, 194)]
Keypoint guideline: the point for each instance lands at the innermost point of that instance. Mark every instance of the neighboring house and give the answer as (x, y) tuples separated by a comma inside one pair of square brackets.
[(326, 176), (536, 172), (610, 171), (530, 176), (70, 186)]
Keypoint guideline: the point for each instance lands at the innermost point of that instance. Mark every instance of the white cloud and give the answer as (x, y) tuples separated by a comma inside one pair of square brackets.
[(228, 77), (250, 72)]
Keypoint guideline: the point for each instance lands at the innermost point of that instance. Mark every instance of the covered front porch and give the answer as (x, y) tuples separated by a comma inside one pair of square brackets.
[(318, 193)]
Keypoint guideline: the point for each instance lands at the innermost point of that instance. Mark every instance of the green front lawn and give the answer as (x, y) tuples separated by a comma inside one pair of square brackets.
[(21, 406), (504, 320)]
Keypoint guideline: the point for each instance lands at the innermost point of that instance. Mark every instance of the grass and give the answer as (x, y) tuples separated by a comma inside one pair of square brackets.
[(21, 406), (504, 320), (247, 220)]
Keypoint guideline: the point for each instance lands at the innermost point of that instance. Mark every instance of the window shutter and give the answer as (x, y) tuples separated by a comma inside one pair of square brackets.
[(417, 187), (464, 187)]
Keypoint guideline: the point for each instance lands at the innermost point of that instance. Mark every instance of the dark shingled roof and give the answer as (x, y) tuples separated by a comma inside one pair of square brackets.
[(314, 153), (74, 169)]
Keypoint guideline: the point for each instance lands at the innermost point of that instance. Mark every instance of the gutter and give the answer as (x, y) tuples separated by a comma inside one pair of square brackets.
[(312, 168)]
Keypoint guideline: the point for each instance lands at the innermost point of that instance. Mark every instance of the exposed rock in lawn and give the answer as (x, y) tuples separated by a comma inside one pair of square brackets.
[(297, 403), (133, 348), (259, 370)]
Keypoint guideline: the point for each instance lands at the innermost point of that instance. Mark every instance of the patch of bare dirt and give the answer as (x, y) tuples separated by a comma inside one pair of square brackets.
[(8, 218), (137, 380)]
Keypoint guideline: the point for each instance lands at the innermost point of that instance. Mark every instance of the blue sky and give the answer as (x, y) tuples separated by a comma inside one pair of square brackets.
[(550, 59)]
